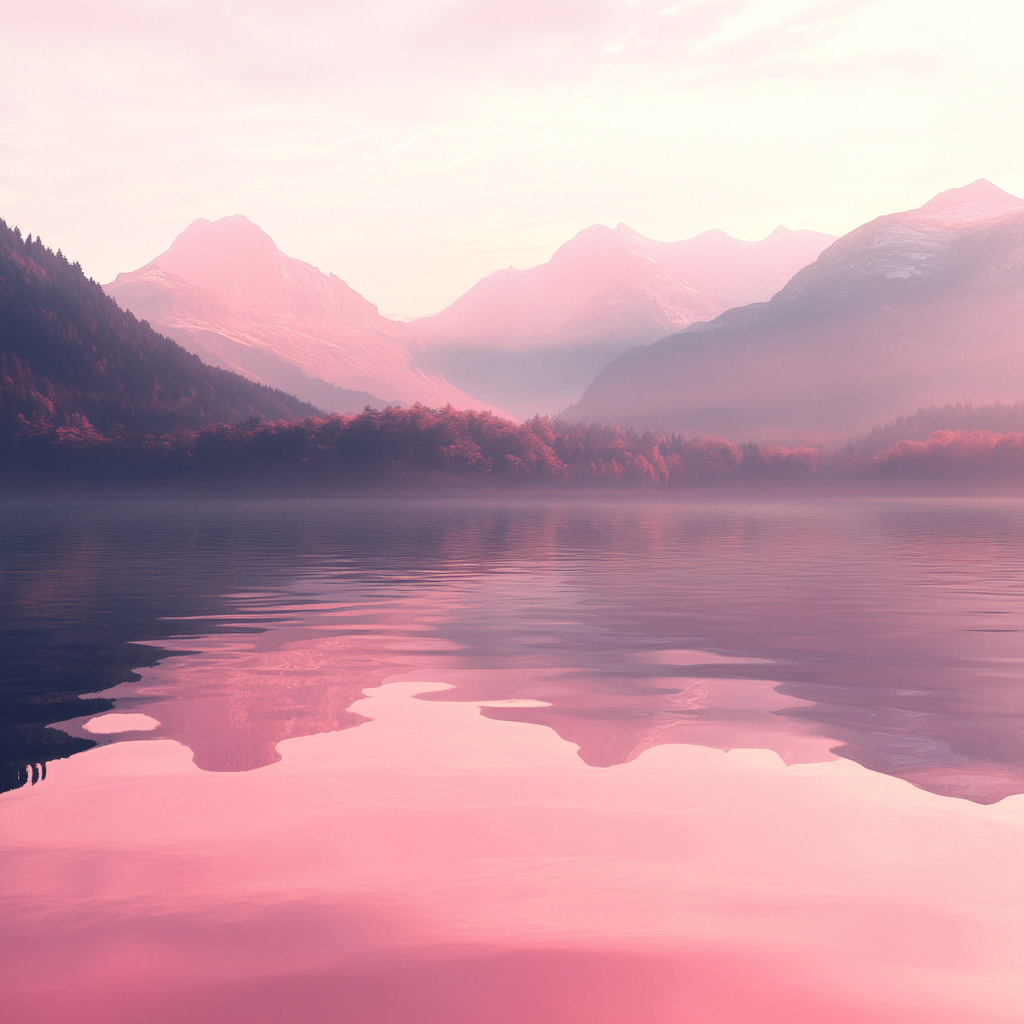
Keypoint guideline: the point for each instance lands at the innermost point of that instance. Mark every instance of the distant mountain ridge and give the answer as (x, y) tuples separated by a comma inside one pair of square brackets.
[(71, 359), (915, 309), (519, 341), (532, 340), (225, 291)]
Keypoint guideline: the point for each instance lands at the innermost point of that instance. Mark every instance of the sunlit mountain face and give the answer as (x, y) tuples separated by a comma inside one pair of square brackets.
[(225, 291), (911, 310)]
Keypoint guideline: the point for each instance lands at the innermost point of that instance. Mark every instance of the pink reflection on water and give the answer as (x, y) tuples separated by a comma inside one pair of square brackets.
[(611, 728), (435, 865), (234, 699)]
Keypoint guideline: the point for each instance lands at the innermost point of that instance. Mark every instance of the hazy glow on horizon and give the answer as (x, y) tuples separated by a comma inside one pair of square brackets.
[(412, 146)]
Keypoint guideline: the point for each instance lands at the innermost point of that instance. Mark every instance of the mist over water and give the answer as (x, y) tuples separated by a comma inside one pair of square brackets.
[(346, 746)]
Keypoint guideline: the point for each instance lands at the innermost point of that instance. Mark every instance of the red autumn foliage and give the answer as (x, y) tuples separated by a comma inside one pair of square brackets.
[(423, 446), (959, 453)]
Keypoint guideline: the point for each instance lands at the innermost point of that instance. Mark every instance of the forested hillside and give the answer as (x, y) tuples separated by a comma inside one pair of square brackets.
[(70, 358), (999, 419)]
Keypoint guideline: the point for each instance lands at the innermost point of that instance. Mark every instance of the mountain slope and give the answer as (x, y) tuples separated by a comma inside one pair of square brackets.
[(532, 340), (67, 351), (915, 309), (226, 292)]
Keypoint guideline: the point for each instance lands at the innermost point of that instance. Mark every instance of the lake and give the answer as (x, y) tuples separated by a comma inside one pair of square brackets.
[(482, 761)]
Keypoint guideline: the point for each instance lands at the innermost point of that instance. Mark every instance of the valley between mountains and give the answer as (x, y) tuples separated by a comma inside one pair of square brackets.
[(799, 337), (518, 343)]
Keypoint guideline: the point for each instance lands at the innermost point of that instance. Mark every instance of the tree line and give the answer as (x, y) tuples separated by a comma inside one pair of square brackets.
[(418, 446)]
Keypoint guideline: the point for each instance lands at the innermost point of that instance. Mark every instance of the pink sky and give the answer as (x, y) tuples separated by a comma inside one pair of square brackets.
[(412, 146)]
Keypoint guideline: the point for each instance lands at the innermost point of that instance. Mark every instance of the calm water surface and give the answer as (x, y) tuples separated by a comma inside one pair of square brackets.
[(474, 762)]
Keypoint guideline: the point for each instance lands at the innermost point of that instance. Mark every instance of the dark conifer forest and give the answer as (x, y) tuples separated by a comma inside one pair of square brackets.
[(71, 359)]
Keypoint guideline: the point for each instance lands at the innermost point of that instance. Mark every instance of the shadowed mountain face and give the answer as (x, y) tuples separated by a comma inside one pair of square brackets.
[(914, 309), (532, 340), (227, 293), (67, 353)]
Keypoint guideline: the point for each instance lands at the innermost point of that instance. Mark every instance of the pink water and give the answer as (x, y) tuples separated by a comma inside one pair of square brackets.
[(477, 789)]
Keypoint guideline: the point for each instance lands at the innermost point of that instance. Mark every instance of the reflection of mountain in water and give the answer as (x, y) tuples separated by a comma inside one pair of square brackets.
[(233, 702), (724, 713), (886, 631)]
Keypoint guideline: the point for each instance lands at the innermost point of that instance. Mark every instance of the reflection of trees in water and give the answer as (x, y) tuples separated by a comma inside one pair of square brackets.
[(45, 673), (866, 613)]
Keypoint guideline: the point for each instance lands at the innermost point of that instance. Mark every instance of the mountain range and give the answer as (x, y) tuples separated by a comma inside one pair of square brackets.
[(224, 291), (533, 340), (517, 342), (915, 309)]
